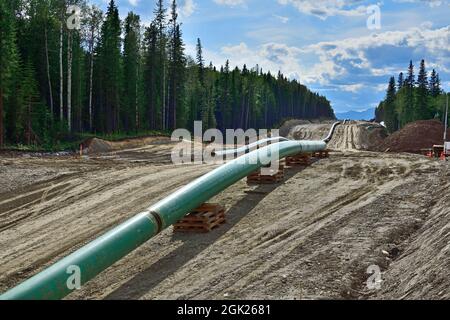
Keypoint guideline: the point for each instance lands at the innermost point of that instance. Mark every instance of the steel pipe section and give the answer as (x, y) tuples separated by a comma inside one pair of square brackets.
[(95, 257), (249, 147), (333, 129)]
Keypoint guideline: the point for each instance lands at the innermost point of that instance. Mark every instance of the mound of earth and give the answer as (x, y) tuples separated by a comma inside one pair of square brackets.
[(96, 145), (414, 137), (285, 129)]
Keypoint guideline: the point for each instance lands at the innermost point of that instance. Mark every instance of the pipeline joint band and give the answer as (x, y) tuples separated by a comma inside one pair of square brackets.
[(158, 220)]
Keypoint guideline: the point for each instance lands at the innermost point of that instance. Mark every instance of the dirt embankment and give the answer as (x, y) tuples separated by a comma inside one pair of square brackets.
[(420, 271), (414, 137), (97, 146)]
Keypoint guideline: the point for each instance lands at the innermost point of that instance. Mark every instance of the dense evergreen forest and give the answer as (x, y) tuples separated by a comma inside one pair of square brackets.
[(410, 99), (61, 77)]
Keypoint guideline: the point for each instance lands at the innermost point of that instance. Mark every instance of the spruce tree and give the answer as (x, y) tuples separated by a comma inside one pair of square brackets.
[(200, 62), (409, 97), (8, 57), (131, 66), (110, 59), (390, 117), (151, 75), (434, 85), (92, 24), (160, 24), (401, 81), (28, 98), (421, 110), (176, 70)]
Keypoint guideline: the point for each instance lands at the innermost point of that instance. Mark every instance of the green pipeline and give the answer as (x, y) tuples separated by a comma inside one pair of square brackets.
[(55, 282)]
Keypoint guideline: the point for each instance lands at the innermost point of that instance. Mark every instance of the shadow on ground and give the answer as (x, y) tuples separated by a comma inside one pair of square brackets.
[(145, 281)]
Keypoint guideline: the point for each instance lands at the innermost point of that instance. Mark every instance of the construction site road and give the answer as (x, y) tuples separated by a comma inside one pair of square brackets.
[(313, 236)]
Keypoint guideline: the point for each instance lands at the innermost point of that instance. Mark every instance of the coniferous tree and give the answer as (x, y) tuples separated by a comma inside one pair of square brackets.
[(177, 67), (401, 81), (131, 62), (28, 99), (200, 63), (409, 97), (110, 69), (202, 89), (427, 100), (8, 57), (92, 28), (150, 75), (106, 87), (421, 103), (389, 107), (160, 24), (434, 85)]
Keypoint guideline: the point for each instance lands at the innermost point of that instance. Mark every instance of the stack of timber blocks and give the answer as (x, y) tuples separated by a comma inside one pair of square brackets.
[(204, 219)]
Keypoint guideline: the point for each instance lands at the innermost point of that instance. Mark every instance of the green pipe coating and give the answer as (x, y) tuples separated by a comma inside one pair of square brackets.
[(55, 281)]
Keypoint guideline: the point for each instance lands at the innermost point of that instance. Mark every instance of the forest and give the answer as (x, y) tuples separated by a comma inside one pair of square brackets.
[(69, 70), (409, 99)]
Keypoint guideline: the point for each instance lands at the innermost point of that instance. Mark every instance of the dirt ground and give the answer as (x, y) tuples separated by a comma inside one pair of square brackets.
[(415, 137), (355, 135), (312, 236)]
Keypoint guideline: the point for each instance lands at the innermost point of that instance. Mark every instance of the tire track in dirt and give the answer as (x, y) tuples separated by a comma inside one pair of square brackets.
[(311, 236), (63, 223), (303, 239)]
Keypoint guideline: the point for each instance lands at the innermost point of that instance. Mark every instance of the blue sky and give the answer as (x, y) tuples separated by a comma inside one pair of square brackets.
[(325, 44)]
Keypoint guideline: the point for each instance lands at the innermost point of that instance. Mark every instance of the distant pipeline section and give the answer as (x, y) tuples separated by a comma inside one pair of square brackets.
[(263, 142), (55, 282)]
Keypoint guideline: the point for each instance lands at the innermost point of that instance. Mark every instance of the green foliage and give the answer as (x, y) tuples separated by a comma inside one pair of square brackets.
[(389, 107), (125, 79), (413, 100)]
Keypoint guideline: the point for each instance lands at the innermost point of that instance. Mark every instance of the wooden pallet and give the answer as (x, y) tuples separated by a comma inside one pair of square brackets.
[(321, 154), (303, 159), (204, 219), (275, 176)]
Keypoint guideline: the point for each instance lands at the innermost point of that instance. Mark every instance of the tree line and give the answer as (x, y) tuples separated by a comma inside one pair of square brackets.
[(409, 99), (63, 73)]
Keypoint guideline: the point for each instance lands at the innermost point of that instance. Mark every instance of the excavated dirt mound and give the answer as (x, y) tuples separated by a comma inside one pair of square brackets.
[(414, 137), (96, 145), (285, 129)]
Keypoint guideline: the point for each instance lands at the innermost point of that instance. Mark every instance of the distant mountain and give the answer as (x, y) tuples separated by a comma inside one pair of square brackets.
[(357, 115)]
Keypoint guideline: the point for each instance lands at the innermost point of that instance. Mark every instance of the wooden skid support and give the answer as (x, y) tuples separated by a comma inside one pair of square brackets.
[(303, 159), (322, 154), (276, 176), (204, 219)]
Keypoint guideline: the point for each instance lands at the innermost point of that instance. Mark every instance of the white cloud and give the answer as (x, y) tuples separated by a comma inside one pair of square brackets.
[(272, 57), (381, 87), (187, 8), (342, 63), (351, 87), (431, 3), (327, 8), (231, 3), (134, 3), (354, 53), (281, 18)]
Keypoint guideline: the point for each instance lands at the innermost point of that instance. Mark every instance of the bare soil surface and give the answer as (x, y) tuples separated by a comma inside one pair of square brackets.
[(353, 135), (414, 137), (312, 236)]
